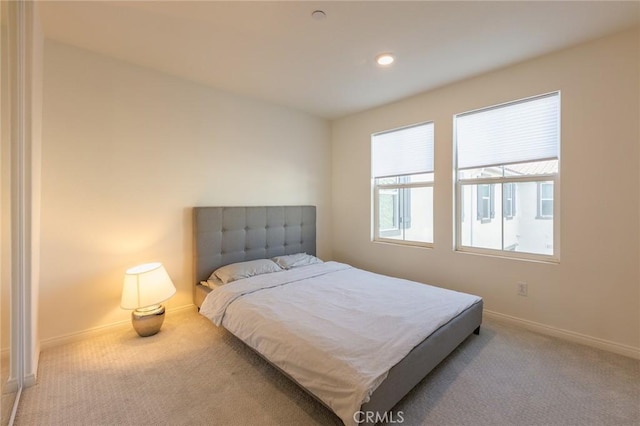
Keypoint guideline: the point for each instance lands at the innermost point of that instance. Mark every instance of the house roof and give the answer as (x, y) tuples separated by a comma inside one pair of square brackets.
[(537, 168)]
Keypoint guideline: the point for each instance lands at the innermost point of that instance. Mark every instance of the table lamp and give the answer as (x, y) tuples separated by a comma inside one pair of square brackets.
[(145, 287)]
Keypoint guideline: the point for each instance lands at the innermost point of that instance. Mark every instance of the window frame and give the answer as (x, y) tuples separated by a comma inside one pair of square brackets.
[(403, 185), (458, 183), (402, 188), (509, 200)]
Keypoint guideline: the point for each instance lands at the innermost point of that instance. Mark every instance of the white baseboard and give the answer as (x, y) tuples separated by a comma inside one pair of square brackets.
[(30, 380), (81, 335), (10, 386), (583, 339)]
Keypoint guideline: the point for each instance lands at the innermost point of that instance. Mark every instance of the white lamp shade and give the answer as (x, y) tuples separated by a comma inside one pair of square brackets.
[(146, 285)]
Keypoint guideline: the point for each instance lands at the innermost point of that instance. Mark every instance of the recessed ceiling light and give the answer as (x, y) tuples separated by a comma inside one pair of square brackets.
[(318, 15), (385, 59)]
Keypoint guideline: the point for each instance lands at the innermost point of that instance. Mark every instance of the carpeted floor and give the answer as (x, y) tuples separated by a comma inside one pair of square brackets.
[(193, 373)]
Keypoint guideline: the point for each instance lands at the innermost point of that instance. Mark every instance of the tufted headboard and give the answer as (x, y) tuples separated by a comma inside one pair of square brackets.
[(226, 235)]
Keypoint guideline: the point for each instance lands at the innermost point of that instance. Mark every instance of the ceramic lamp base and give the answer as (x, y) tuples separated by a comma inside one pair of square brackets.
[(147, 321)]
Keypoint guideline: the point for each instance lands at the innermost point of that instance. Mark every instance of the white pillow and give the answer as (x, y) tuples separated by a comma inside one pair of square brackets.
[(212, 282), (295, 260), (237, 271)]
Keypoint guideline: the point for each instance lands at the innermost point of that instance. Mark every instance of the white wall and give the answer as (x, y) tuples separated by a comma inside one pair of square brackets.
[(127, 152), (595, 289)]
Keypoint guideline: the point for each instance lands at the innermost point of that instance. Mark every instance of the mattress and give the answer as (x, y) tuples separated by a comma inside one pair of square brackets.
[(334, 329)]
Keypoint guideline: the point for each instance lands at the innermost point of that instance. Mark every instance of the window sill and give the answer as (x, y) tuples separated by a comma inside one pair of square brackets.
[(402, 243), (510, 255)]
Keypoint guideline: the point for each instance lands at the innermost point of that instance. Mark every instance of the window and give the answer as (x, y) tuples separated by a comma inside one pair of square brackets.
[(545, 200), (507, 169), (486, 204), (402, 175), (509, 201)]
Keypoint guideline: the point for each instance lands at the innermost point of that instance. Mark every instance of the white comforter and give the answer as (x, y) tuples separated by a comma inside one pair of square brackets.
[(335, 329)]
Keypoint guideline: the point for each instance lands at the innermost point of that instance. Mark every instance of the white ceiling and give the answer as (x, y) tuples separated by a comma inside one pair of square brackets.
[(277, 52)]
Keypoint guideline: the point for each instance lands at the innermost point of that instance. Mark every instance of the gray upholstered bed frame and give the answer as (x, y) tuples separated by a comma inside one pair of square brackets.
[(226, 235)]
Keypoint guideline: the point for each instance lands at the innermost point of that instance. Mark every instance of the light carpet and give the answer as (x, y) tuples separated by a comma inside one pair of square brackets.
[(192, 373)]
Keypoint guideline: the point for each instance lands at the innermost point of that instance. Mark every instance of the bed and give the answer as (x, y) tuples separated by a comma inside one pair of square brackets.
[(229, 235)]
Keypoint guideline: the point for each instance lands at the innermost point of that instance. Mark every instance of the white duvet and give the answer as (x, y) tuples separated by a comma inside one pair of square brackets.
[(335, 329)]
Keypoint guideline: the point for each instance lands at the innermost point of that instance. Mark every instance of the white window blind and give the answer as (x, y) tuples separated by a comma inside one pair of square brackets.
[(403, 151), (518, 132)]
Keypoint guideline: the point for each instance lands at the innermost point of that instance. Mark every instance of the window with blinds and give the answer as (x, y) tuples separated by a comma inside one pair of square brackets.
[(507, 169), (402, 175)]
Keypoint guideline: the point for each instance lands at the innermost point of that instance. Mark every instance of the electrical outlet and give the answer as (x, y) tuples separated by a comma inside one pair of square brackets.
[(523, 289)]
